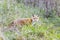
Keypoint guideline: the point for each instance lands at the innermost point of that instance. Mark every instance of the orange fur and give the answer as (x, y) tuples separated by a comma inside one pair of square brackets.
[(23, 21)]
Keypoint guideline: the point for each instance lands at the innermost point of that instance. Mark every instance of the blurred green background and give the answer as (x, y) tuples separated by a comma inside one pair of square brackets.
[(48, 27)]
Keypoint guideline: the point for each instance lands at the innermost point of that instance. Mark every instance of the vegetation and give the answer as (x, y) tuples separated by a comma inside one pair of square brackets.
[(45, 29)]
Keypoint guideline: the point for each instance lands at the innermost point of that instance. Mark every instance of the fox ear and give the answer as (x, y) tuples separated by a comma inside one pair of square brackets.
[(32, 15)]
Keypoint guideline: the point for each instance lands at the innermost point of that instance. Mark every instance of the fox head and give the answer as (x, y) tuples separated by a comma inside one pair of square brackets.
[(35, 18)]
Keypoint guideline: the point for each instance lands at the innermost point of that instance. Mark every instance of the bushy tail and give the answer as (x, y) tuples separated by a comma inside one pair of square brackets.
[(9, 27)]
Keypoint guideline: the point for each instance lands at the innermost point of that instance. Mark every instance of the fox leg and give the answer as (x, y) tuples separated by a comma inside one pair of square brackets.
[(15, 29)]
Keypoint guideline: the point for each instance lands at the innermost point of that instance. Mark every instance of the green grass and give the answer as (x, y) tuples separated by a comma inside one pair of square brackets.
[(45, 29)]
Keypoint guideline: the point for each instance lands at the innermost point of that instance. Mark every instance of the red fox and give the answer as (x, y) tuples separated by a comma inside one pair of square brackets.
[(23, 21)]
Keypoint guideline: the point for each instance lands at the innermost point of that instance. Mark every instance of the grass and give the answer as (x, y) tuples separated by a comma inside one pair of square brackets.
[(45, 29)]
